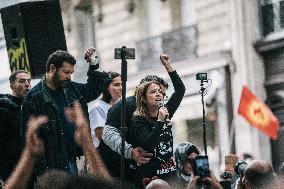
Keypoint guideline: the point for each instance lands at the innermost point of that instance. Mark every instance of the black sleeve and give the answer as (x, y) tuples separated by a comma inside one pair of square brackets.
[(93, 88), (27, 111), (3, 124), (5, 109), (145, 136), (177, 96), (114, 113), (3, 120)]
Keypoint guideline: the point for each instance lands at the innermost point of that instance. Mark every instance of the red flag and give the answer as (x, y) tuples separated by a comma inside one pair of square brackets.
[(258, 114)]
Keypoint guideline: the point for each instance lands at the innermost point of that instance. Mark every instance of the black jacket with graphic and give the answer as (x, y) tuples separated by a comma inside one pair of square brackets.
[(156, 137)]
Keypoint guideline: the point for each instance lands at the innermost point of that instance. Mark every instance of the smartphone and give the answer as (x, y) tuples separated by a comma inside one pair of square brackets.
[(202, 166)]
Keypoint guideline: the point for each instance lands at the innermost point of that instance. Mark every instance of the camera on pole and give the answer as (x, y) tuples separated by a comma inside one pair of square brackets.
[(129, 53), (123, 54), (202, 77)]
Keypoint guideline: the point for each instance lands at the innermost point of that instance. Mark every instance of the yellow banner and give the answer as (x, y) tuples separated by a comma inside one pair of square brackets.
[(19, 57)]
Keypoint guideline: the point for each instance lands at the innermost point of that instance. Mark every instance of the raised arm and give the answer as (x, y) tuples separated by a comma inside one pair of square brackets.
[(93, 88), (34, 147), (166, 61), (84, 139), (179, 88)]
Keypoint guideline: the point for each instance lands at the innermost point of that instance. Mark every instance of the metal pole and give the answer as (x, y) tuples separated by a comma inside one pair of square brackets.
[(203, 117), (123, 115)]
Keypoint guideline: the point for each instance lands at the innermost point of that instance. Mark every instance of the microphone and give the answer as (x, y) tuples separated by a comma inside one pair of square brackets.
[(162, 104)]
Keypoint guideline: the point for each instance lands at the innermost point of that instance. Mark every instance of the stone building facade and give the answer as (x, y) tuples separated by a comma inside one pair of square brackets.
[(228, 39), (213, 36)]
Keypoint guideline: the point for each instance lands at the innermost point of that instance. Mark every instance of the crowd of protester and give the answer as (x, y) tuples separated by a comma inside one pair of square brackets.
[(44, 129)]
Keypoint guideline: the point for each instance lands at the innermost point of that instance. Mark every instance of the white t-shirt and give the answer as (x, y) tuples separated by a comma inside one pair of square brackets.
[(98, 115)]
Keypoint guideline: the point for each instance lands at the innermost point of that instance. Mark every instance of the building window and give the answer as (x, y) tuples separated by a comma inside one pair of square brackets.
[(272, 16)]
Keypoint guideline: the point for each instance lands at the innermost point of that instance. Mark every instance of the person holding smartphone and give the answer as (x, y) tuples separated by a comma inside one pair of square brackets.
[(210, 181)]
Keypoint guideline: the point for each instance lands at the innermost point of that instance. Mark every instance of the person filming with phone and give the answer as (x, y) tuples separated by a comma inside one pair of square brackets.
[(202, 177)]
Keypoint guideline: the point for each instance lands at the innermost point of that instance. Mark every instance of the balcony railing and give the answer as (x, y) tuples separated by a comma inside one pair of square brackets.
[(148, 51), (180, 44)]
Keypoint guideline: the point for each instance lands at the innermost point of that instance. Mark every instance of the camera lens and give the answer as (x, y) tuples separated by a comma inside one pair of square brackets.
[(240, 167)]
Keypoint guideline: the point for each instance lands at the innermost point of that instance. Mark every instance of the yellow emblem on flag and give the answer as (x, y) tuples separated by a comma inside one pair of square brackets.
[(258, 114)]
